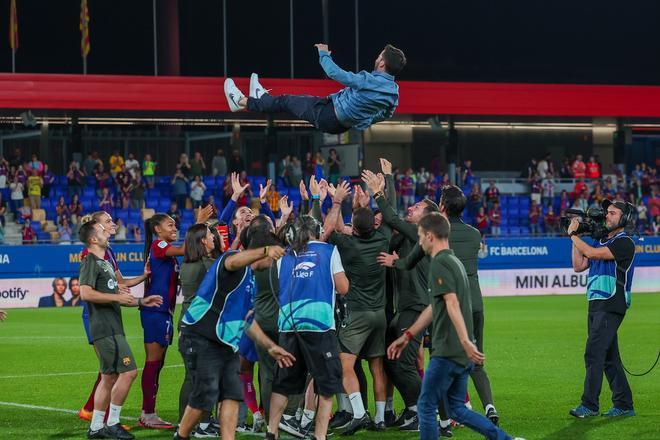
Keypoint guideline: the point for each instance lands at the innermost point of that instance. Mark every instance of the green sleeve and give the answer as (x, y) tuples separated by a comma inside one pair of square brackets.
[(88, 272), (391, 218), (442, 280), (317, 213), (409, 261), (390, 190)]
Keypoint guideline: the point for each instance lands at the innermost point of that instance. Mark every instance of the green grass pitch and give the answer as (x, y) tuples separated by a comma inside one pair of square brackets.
[(534, 350)]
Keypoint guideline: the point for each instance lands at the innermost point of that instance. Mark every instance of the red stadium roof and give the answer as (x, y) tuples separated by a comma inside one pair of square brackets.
[(148, 93)]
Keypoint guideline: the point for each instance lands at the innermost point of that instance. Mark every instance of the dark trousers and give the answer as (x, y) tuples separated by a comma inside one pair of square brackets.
[(320, 112), (478, 374), (602, 354), (403, 371)]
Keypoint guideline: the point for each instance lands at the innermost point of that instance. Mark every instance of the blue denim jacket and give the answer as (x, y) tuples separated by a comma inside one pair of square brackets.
[(368, 97)]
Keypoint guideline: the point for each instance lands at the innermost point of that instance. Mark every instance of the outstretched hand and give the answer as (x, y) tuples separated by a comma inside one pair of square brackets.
[(283, 358), (286, 208), (373, 181), (263, 190), (385, 166), (236, 186), (342, 190), (323, 190), (322, 47), (303, 191)]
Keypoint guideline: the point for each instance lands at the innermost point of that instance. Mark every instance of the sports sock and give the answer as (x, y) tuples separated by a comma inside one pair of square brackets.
[(149, 386), (89, 405), (249, 394), (97, 420), (444, 423), (380, 412), (489, 406), (113, 418), (344, 403), (307, 418), (389, 404), (357, 405)]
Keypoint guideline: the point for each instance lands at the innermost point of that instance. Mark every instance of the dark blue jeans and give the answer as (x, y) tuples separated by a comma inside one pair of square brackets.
[(320, 112), (445, 380)]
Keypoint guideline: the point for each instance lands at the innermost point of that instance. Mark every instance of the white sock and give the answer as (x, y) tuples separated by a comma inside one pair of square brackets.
[(380, 412), (444, 423), (489, 406), (344, 402), (389, 404), (307, 418), (97, 420), (356, 404), (468, 405), (113, 417), (413, 408)]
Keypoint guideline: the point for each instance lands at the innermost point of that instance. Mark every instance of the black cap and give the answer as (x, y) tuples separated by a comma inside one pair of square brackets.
[(623, 206)]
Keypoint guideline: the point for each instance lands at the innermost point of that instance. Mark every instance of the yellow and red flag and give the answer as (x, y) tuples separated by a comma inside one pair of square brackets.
[(84, 28), (13, 26)]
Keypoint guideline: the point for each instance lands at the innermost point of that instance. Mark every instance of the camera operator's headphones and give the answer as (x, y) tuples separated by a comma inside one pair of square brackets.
[(303, 224), (627, 219)]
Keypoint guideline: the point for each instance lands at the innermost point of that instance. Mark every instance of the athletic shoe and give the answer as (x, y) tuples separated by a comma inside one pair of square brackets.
[(243, 428), (390, 418), (618, 412), (178, 437), (99, 433), (405, 415), (256, 89), (411, 424), (118, 432), (446, 432), (154, 422), (291, 426), (491, 415), (380, 426), (208, 432), (214, 423), (356, 424), (340, 419), (83, 414), (258, 422), (233, 95), (582, 412)]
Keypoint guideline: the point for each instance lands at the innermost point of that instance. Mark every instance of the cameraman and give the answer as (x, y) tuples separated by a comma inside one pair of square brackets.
[(610, 264)]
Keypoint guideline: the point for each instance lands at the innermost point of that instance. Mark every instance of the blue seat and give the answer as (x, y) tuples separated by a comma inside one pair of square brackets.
[(164, 205), (43, 236), (209, 181)]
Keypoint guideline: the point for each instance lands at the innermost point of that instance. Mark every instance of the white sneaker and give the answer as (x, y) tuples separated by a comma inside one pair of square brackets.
[(256, 89), (258, 422), (233, 95)]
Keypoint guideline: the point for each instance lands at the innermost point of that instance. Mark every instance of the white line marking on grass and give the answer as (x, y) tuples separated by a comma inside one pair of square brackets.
[(48, 408), (70, 373)]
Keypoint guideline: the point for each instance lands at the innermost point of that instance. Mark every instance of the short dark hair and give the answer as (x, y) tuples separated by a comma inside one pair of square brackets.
[(87, 231), (255, 231), (395, 59), (430, 207), (71, 281), (363, 221), (453, 200), (194, 249), (436, 224)]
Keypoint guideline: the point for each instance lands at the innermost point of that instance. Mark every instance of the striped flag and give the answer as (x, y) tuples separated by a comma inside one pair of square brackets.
[(84, 28), (13, 27)]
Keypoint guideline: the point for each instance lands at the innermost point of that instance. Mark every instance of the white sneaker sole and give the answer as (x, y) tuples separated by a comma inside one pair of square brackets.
[(233, 95)]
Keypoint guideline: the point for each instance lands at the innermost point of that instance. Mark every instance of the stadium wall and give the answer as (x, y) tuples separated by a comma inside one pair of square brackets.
[(507, 267)]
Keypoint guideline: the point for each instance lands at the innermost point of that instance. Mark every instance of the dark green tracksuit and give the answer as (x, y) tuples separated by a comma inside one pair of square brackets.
[(465, 241)]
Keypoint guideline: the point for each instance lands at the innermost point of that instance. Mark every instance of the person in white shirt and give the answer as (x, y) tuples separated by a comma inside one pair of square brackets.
[(132, 165), (197, 189)]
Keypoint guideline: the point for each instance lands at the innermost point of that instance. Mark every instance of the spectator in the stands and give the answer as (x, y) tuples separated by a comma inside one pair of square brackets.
[(137, 192), (64, 231), (529, 169), (492, 195), (481, 221), (655, 225), (534, 217), (551, 221), (565, 171), (149, 170), (61, 209), (137, 233), (105, 203), (219, 164), (284, 169), (132, 165), (295, 172), (116, 162), (197, 165), (545, 166), (244, 199), (475, 200), (25, 213), (49, 180), (20, 174), (75, 209), (35, 183), (236, 163), (581, 202), (536, 187), (4, 173), (3, 210), (495, 219), (74, 179), (431, 188), (175, 213), (642, 216), (421, 178), (319, 168), (407, 190), (179, 187), (16, 159), (308, 167), (197, 189), (16, 196), (185, 166), (29, 236), (120, 233), (123, 181), (597, 194), (467, 172), (227, 191), (334, 167), (593, 168), (445, 181), (636, 186), (36, 164), (578, 168), (579, 188), (88, 164), (548, 188), (273, 198), (610, 190), (564, 200), (654, 201), (102, 179)]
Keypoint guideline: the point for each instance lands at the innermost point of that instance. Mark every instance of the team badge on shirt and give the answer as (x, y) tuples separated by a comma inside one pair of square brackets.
[(126, 361), (162, 244)]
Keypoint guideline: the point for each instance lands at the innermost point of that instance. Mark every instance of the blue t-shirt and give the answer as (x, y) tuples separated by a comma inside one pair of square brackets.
[(307, 288)]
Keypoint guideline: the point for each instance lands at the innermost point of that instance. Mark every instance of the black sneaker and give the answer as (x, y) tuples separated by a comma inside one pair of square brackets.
[(118, 432), (340, 419), (178, 437), (380, 426), (390, 418), (405, 415), (446, 432), (291, 426), (356, 424), (99, 433), (491, 415), (208, 432), (411, 424), (270, 436), (215, 423)]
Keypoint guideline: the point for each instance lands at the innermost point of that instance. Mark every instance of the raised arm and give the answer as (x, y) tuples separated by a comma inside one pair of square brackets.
[(239, 260), (376, 185), (335, 72), (265, 206)]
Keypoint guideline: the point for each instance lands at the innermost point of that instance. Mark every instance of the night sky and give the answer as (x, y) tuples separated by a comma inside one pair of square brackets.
[(608, 42)]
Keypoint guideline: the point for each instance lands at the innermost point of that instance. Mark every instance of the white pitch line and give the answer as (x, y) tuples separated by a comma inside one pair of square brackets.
[(49, 408), (70, 373)]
